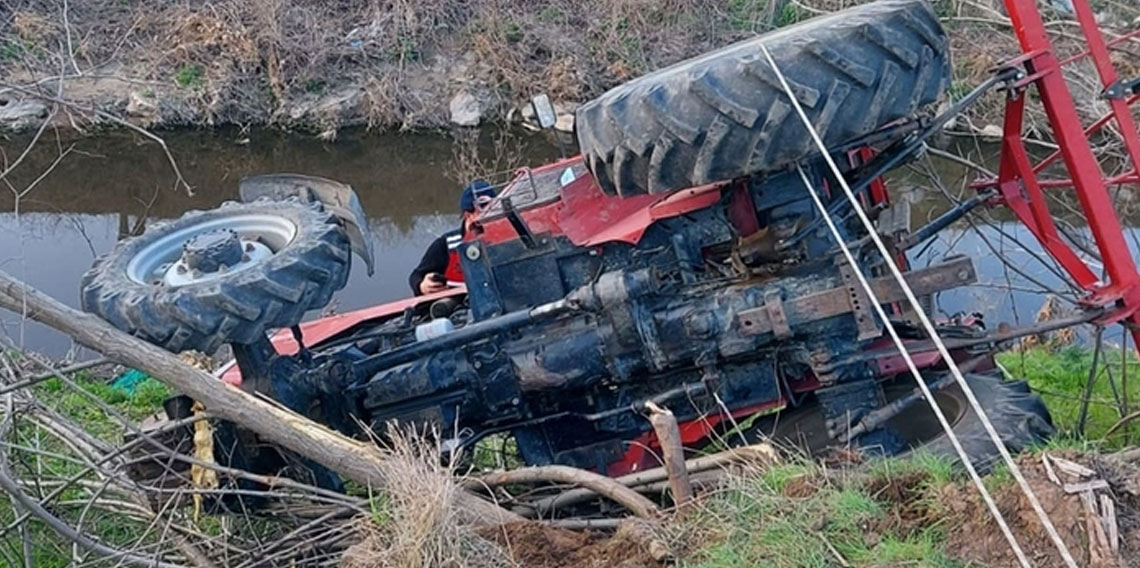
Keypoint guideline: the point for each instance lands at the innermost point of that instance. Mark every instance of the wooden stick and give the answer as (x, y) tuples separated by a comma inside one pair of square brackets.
[(584, 524), (1100, 551), (1108, 519), (669, 436), (1085, 486), (598, 484), (360, 462)]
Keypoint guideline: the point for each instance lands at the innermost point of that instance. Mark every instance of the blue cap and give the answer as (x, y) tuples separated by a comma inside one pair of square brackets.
[(472, 192)]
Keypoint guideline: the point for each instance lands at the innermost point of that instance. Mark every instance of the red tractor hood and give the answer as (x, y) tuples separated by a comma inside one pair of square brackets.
[(581, 211)]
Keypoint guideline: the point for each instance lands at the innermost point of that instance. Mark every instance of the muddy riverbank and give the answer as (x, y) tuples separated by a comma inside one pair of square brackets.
[(323, 66)]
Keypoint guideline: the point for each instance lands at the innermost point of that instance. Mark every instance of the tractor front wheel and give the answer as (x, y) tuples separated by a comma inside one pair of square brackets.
[(227, 275)]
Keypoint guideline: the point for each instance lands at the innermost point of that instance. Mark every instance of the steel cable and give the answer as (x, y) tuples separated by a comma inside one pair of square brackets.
[(929, 327)]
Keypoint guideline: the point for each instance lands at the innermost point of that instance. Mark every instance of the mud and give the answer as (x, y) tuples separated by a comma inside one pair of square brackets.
[(974, 536), (905, 495), (534, 545)]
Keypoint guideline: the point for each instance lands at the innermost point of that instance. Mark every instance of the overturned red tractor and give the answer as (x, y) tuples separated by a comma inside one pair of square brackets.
[(680, 260)]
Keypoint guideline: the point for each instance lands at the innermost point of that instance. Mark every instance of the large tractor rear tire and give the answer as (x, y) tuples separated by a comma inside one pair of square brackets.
[(1019, 416), (724, 114), (290, 258)]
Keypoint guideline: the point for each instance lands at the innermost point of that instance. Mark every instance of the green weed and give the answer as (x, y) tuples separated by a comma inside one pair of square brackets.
[(514, 32), (315, 86), (762, 521), (958, 89), (745, 15), (1060, 377), (188, 76), (10, 50), (790, 14)]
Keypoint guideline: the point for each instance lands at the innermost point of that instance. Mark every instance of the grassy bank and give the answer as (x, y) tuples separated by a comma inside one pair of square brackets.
[(908, 512), (324, 65), (1062, 375)]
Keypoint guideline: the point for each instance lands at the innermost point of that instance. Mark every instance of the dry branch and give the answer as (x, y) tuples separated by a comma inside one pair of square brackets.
[(598, 484), (58, 100), (360, 462), (760, 453)]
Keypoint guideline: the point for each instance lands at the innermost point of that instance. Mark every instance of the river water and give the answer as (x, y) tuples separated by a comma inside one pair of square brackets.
[(103, 186)]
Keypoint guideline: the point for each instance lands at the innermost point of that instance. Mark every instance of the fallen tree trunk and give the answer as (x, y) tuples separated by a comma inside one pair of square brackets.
[(360, 462)]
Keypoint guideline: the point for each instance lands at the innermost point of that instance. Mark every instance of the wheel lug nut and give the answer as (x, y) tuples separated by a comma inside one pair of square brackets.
[(181, 269), (245, 258), (248, 247)]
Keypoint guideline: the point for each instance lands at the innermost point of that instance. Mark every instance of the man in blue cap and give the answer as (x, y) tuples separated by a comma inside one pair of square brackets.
[(440, 268)]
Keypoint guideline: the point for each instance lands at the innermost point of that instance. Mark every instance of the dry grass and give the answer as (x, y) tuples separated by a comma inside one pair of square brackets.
[(490, 156), (397, 64), (415, 522)]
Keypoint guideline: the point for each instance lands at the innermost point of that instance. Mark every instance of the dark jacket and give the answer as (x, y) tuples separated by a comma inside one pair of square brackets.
[(435, 259), (441, 257)]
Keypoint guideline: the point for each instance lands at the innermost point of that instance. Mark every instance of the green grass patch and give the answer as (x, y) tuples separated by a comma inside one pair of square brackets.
[(10, 50), (83, 408), (791, 14), (495, 452), (189, 76), (939, 470), (1060, 377), (790, 517)]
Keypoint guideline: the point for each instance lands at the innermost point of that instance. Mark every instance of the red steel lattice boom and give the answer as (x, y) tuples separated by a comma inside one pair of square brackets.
[(1018, 185)]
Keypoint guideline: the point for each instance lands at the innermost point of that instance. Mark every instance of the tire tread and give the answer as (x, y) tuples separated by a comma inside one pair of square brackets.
[(724, 115)]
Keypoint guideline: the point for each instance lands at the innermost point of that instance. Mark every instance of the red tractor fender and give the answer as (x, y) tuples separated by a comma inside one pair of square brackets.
[(316, 331)]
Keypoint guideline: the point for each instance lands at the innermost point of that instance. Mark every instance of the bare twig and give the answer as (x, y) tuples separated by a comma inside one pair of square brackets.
[(759, 454), (179, 181), (38, 378)]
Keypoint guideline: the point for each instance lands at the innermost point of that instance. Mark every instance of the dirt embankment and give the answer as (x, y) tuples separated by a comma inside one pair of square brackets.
[(321, 66)]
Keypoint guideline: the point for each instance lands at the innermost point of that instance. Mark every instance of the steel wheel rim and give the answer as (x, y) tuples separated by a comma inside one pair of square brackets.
[(152, 264)]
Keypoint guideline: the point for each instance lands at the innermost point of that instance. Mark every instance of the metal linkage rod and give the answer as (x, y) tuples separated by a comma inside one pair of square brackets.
[(930, 329)]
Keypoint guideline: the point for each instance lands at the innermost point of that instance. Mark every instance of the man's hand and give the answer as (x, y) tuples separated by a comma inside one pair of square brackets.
[(430, 284)]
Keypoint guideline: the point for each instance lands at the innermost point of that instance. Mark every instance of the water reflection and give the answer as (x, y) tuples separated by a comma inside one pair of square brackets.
[(1011, 276), (107, 184)]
